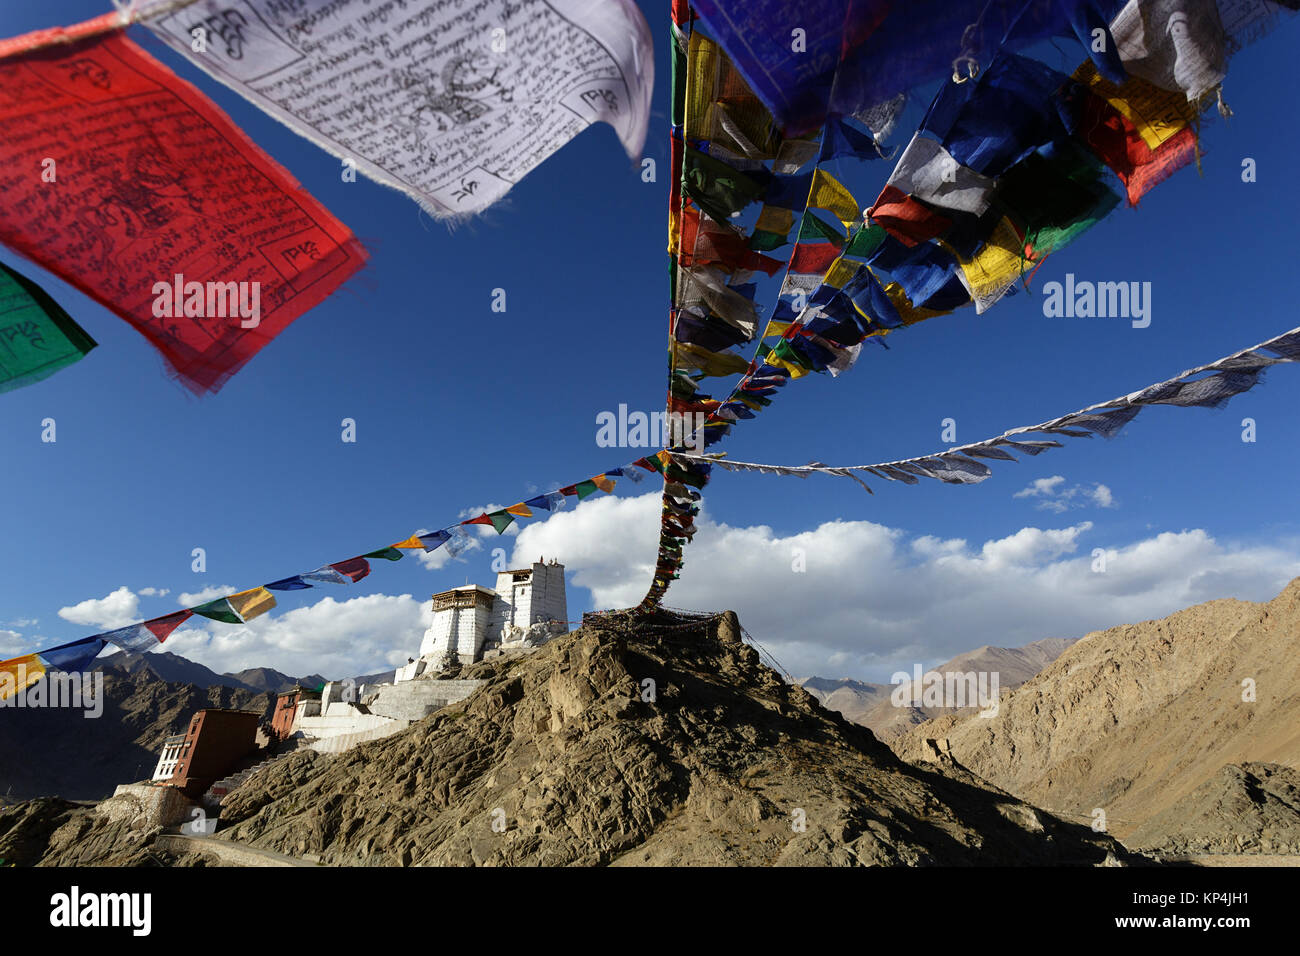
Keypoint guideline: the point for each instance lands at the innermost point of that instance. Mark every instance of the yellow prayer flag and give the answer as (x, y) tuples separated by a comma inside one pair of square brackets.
[(704, 64), (718, 364), (829, 193), (910, 314), (520, 511), (1156, 114), (411, 542), (604, 483), (775, 219), (18, 674), (775, 327), (252, 603), (995, 267), (840, 272), (796, 371)]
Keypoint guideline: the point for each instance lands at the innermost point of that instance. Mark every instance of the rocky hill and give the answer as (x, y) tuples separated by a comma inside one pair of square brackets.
[(59, 751), (870, 704), (1133, 719), (631, 744), (1244, 808)]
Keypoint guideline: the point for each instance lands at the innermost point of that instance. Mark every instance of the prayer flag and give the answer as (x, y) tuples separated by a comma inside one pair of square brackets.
[(163, 210), (450, 103), (37, 338)]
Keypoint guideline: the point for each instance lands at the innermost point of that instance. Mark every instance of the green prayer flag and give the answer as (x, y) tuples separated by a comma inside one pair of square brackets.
[(717, 188), (678, 81), (219, 610), (1056, 197), (813, 228), (37, 338), (866, 241), (585, 488), (501, 520), (388, 554), (764, 241), (784, 351)]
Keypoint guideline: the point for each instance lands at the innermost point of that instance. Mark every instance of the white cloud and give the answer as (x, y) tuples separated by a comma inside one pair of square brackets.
[(1058, 499), (1041, 486), (117, 609), (874, 600), (209, 593), (11, 644), (335, 638), (153, 592), (1102, 497)]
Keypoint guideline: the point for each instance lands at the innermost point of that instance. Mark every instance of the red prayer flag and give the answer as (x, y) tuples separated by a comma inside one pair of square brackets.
[(906, 218), (1118, 144), (815, 258), (710, 243), (354, 568), (157, 205), (481, 519), (161, 627)]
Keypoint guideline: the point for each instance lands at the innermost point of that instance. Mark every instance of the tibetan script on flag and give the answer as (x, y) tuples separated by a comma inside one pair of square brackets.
[(37, 338), (450, 102), (118, 176)]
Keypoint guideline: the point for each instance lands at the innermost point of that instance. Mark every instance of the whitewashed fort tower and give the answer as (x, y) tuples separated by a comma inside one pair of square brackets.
[(527, 608)]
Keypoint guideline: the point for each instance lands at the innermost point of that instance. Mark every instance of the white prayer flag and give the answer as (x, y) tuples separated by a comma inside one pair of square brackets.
[(451, 102)]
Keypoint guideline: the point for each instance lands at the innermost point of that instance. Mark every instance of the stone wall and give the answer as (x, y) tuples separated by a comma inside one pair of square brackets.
[(339, 743), (158, 806), (339, 723), (414, 700)]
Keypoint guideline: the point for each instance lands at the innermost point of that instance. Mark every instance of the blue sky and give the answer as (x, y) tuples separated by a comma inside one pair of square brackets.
[(458, 407)]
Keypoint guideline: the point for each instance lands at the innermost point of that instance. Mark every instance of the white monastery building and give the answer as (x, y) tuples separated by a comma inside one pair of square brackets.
[(527, 608), (469, 623)]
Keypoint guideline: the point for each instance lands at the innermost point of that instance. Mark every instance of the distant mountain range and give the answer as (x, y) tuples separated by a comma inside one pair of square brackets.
[(174, 669), (148, 697), (870, 705), (1140, 721), (61, 752)]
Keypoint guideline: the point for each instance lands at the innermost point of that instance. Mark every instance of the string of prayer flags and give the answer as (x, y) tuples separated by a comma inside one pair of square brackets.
[(461, 102), (241, 607), (1223, 379), (1008, 166), (37, 338), (157, 205)]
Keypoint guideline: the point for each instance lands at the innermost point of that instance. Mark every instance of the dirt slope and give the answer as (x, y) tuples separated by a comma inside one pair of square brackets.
[(1134, 718), (871, 706)]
